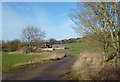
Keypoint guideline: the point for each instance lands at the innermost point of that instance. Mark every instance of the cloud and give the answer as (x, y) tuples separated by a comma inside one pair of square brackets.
[(11, 26), (59, 28), (18, 17), (58, 32), (61, 16)]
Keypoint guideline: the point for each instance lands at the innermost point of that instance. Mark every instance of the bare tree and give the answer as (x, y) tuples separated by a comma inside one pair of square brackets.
[(33, 36), (101, 20), (52, 41), (87, 23)]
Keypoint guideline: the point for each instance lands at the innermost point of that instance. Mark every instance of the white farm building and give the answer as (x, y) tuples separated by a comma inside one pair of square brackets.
[(52, 47), (56, 46)]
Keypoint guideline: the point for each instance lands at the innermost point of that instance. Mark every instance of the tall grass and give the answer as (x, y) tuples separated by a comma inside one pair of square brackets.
[(91, 66)]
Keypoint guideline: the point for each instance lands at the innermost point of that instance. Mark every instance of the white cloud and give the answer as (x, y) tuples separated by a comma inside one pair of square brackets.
[(13, 23)]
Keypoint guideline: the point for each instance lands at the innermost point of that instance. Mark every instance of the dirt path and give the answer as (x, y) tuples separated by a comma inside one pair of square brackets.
[(50, 71)]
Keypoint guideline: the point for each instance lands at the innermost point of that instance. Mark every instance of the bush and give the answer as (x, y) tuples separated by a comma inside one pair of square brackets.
[(91, 66)]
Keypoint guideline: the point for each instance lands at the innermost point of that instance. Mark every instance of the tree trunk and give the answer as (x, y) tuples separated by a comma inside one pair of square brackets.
[(118, 43), (104, 51), (118, 59), (118, 51)]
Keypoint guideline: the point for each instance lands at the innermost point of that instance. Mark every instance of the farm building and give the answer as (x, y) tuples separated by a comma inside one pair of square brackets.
[(52, 47), (56, 46), (47, 49), (47, 46)]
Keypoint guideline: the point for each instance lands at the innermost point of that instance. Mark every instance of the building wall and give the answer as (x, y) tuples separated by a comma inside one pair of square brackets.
[(47, 49), (58, 46)]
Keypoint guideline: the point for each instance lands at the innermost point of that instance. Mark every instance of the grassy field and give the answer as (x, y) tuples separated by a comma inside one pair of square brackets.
[(89, 46), (8, 61), (77, 48)]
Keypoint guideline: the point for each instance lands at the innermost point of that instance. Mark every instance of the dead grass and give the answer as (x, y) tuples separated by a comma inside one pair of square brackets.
[(17, 52), (55, 55), (91, 66), (50, 55)]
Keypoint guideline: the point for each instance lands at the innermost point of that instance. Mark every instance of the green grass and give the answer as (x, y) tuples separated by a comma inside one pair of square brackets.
[(74, 51), (77, 48), (89, 46), (74, 48), (73, 45), (8, 61)]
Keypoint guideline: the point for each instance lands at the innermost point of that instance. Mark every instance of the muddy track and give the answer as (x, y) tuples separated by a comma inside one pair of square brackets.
[(50, 71)]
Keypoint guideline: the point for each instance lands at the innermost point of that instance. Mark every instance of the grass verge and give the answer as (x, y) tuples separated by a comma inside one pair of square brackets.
[(9, 60), (26, 65)]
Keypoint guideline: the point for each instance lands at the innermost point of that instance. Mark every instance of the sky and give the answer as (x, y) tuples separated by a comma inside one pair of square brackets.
[(51, 17)]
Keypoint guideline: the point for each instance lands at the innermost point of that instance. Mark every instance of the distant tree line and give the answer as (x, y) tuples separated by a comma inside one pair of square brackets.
[(14, 45), (65, 41)]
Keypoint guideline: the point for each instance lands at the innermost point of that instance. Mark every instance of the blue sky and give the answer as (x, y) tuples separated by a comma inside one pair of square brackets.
[(51, 17)]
